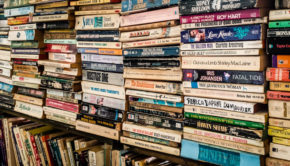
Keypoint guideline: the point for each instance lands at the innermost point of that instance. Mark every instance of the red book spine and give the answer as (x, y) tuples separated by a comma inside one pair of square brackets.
[(277, 95), (35, 151), (62, 105), (278, 74)]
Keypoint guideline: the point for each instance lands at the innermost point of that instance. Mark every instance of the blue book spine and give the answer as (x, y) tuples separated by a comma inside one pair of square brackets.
[(130, 5), (118, 68), (6, 87), (237, 33), (158, 102), (19, 11), (217, 155), (151, 52)]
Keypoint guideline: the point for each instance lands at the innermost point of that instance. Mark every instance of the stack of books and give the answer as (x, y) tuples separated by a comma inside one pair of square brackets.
[(153, 75), (223, 62), (61, 75), (26, 43), (278, 75), (6, 85), (103, 106)]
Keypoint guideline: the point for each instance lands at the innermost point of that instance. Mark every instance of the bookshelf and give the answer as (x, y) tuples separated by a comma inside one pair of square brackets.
[(72, 130)]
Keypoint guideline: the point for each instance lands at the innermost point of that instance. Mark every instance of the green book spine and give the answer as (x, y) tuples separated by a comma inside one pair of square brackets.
[(24, 44), (240, 123), (279, 24)]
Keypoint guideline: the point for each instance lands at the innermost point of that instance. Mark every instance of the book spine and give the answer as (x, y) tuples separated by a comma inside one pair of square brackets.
[(237, 33), (274, 162), (150, 74), (18, 11), (158, 102), (95, 22), (152, 63), (279, 109), (278, 46), (278, 74), (280, 61), (278, 95), (152, 132), (235, 122), (245, 52), (278, 33), (61, 48), (109, 36), (28, 99), (97, 130), (279, 151), (90, 44), (26, 51), (248, 63), (226, 95), (26, 79), (56, 17), (66, 71), (62, 105), (18, 20), (155, 107), (150, 146), (6, 64), (31, 92), (226, 144), (279, 24), (23, 35), (71, 58), (196, 6), (225, 129), (153, 95), (6, 87), (26, 44), (260, 118), (99, 121), (103, 77), (130, 5), (92, 2), (104, 101), (102, 58), (279, 86), (156, 121), (192, 131), (151, 52), (150, 34), (104, 51), (279, 132), (149, 17), (29, 109), (103, 89), (154, 86), (281, 141), (279, 14), (225, 87), (152, 42), (224, 23), (221, 16), (189, 149), (223, 45)]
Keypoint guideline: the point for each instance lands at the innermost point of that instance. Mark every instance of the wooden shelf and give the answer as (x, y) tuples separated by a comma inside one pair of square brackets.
[(72, 130)]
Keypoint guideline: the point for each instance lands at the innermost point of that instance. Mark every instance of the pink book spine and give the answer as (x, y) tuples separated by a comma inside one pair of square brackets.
[(62, 105), (220, 16), (151, 16)]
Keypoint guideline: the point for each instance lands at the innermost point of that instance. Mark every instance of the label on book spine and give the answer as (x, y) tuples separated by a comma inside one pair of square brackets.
[(235, 106), (98, 22), (102, 58), (250, 63), (86, 44), (153, 95), (103, 77), (103, 89)]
